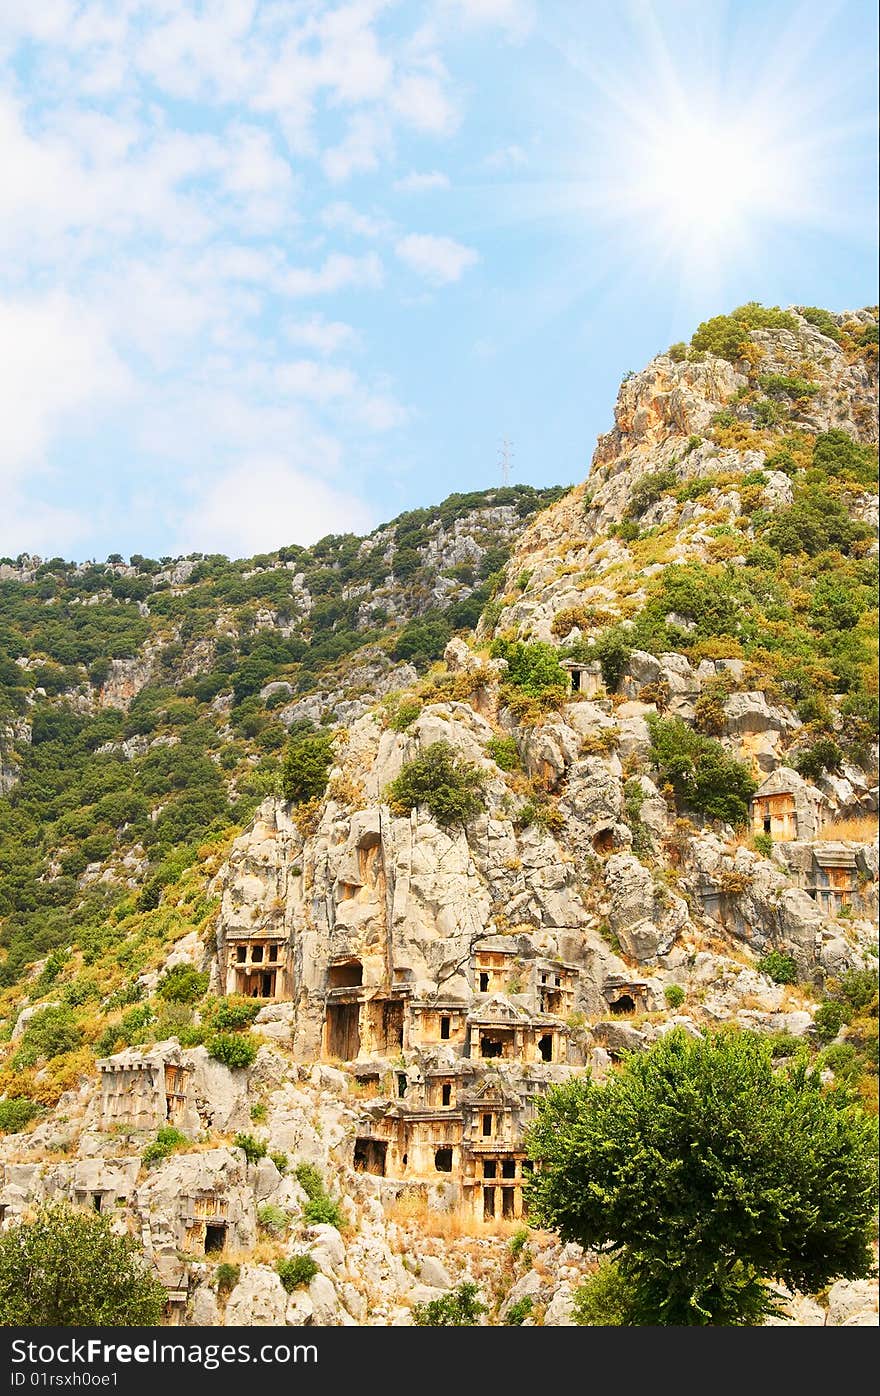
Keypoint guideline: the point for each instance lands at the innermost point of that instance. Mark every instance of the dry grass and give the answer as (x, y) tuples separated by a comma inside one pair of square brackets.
[(861, 828)]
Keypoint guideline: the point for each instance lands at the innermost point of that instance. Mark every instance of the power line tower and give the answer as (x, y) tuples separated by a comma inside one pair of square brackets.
[(506, 460)]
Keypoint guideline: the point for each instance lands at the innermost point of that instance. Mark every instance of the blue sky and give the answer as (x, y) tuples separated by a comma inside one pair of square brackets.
[(277, 268)]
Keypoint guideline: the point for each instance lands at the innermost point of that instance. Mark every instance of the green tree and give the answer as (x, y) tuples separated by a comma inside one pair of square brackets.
[(460, 1308), (307, 766), (451, 788), (702, 774), (707, 1173), (67, 1269)]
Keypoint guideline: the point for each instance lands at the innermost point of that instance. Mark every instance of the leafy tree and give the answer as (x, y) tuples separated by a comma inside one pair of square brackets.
[(824, 755), (67, 1269), (778, 967), (233, 1051), (533, 668), (708, 1173), (460, 1308), (451, 788), (702, 774), (183, 984), (307, 767)]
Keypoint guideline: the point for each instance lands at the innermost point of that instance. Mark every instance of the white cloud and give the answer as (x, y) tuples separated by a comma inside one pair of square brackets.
[(337, 271), (438, 259), (265, 503), (417, 183), (421, 100), (516, 17), (366, 140), (509, 157), (345, 216), (320, 335), (56, 364)]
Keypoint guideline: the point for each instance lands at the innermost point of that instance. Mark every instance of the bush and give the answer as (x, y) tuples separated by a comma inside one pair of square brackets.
[(763, 844), (518, 1242), (280, 1161), (604, 1300), (702, 774), (674, 995), (50, 1033), (613, 649), (677, 352), (858, 988), (167, 1141), (226, 1277), (460, 1308), (253, 1149), (519, 1311), (296, 1272), (824, 755), (320, 1209), (503, 752), (407, 712), (15, 1113), (233, 1051), (307, 767), (65, 1269), (451, 788), (183, 984), (778, 967), (272, 1219), (534, 669), (648, 489), (727, 335), (828, 1019), (231, 1014)]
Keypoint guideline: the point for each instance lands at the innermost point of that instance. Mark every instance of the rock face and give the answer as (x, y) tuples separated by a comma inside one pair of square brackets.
[(419, 984)]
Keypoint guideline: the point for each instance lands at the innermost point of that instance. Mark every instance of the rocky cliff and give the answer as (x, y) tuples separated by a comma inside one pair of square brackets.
[(641, 794)]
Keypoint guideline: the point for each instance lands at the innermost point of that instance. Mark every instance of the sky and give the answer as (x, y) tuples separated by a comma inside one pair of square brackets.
[(272, 269)]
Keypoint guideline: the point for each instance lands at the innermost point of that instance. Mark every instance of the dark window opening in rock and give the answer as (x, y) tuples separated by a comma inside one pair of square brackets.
[(491, 1046), (241, 953), (347, 976), (603, 841), (445, 1025), (263, 985), (768, 822), (273, 952), (508, 1168), (484, 982), (404, 1160), (551, 1001), (488, 1203), (490, 1168), (625, 1004), (545, 1047), (401, 1084), (97, 1200), (443, 1160), (487, 1125), (257, 954), (392, 1024), (343, 1031), (215, 1237), (369, 1156), (507, 1202), (446, 1095)]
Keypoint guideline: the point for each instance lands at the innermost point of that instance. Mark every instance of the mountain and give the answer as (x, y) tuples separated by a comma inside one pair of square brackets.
[(348, 853)]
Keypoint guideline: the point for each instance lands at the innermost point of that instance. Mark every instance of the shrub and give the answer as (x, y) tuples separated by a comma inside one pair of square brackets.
[(503, 752), (460, 1308), (702, 774), (824, 755), (778, 385), (320, 1207), (727, 335), (296, 1272), (518, 1241), (272, 1219), (280, 1161), (168, 1139), (822, 319), (674, 995), (451, 788), (858, 988), (778, 967), (183, 984), (648, 489), (307, 767), (519, 1311), (231, 1014), (65, 1269), (613, 649), (233, 1051), (253, 1149), (406, 714), (50, 1033), (677, 352), (15, 1113), (534, 668), (604, 1300), (828, 1019), (226, 1277)]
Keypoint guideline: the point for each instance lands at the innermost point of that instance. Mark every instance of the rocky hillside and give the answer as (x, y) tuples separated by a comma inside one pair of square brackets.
[(307, 898)]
